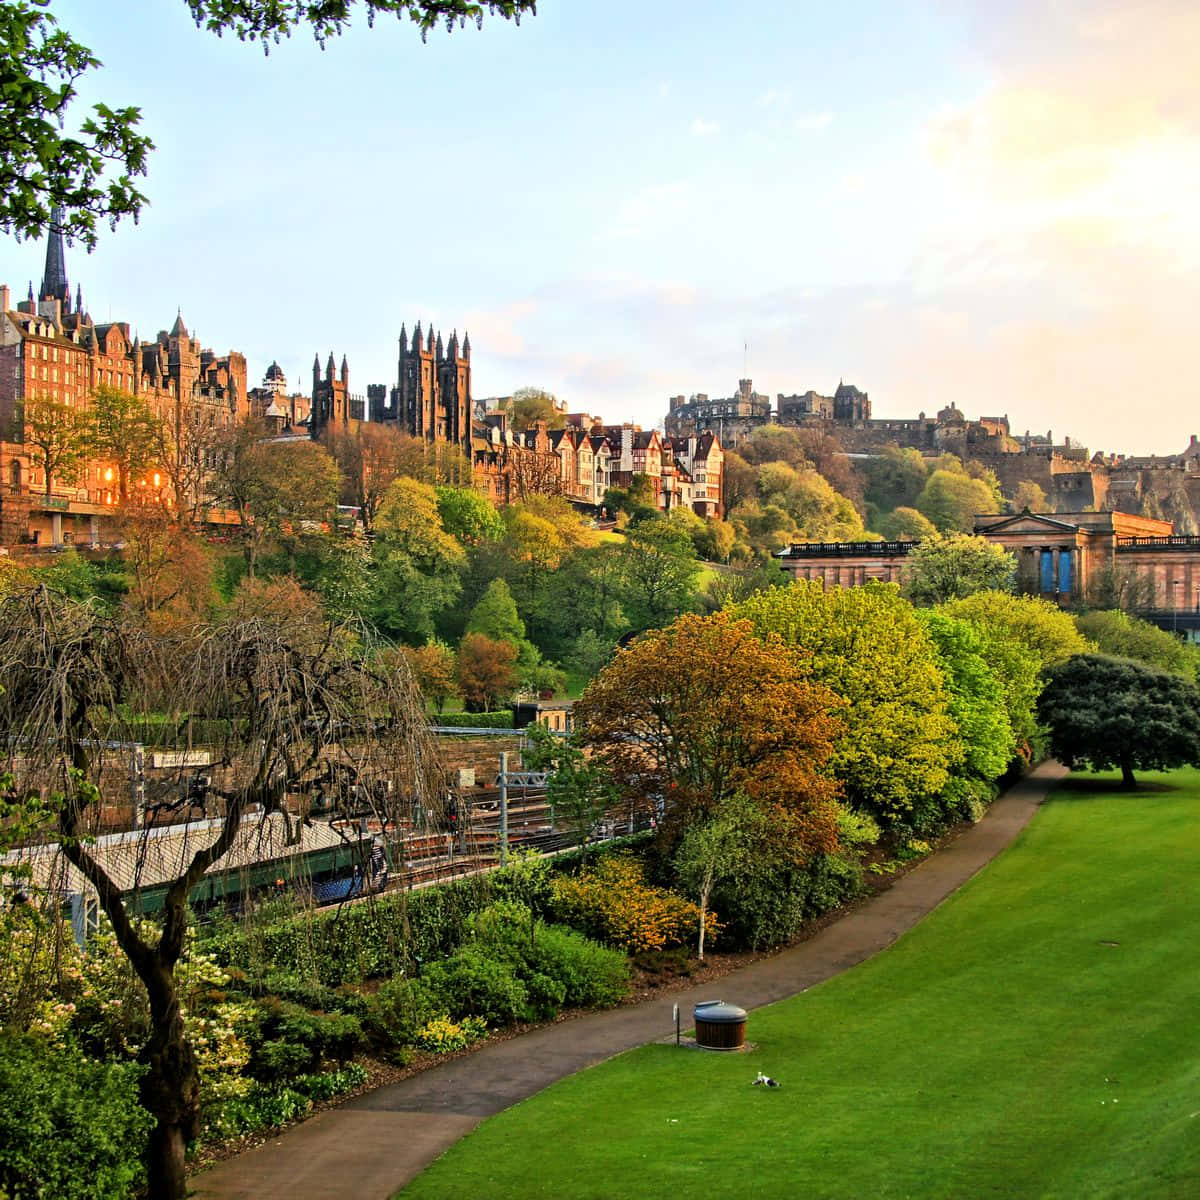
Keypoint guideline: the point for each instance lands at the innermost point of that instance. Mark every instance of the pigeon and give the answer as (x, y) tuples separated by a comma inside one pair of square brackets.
[(765, 1081)]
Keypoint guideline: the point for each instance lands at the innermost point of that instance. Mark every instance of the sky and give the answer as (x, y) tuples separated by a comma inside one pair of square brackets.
[(940, 201)]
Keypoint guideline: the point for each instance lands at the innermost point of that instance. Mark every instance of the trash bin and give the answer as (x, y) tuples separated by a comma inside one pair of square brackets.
[(719, 1026)]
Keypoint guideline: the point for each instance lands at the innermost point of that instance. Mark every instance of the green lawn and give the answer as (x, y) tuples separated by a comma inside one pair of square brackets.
[(1004, 1048)]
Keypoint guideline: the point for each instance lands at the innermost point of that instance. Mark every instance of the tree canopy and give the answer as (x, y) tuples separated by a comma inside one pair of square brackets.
[(1108, 712), (866, 646), (950, 566)]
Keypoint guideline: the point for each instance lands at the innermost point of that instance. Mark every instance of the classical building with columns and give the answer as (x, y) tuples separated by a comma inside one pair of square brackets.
[(1059, 557)]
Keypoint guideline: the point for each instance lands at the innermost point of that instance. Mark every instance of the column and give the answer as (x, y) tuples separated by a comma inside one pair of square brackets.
[(56, 529), (94, 531)]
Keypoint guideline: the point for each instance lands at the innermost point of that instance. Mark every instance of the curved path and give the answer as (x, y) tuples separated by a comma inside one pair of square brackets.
[(373, 1145)]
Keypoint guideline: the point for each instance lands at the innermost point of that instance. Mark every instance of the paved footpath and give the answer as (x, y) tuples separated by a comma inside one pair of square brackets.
[(373, 1145)]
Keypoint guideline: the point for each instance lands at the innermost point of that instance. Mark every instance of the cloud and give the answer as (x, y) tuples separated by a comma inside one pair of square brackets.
[(813, 121), (773, 97), (702, 128)]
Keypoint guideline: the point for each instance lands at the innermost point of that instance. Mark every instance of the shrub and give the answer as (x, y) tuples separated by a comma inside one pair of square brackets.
[(324, 1035), (69, 1128), (279, 1059), (478, 720), (399, 1009), (591, 975), (613, 903), (444, 1036), (470, 983)]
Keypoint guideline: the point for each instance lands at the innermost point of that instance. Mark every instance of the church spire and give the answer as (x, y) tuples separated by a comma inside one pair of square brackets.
[(54, 281)]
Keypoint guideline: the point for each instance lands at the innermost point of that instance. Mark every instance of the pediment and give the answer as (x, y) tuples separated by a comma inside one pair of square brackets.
[(1024, 522)]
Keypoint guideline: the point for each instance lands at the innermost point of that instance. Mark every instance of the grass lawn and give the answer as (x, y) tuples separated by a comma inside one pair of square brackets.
[(1037, 1035)]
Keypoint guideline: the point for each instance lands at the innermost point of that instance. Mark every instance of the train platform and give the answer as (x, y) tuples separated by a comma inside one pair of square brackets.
[(373, 1145)]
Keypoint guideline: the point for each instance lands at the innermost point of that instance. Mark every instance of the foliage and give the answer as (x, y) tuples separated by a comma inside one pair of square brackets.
[(612, 902), (904, 524), (51, 174), (125, 433), (529, 405), (1028, 496), (579, 788), (495, 615), (486, 671), (1035, 624), (443, 1036), (400, 1009), (370, 456), (482, 720), (69, 1127), (949, 566), (1121, 585), (895, 479), (1123, 636), (1109, 712), (467, 516), (866, 646), (265, 1106), (699, 711), (434, 668), (269, 20), (471, 983), (952, 500), (58, 437)]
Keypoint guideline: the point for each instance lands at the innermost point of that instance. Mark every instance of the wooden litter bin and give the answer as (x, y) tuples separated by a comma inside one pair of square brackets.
[(719, 1026)]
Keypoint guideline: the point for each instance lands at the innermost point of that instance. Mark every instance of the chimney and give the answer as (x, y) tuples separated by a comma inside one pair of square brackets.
[(6, 304)]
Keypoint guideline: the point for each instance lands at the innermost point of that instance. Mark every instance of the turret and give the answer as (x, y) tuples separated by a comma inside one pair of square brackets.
[(345, 371), (452, 349), (403, 338), (429, 347), (329, 368), (466, 345), (439, 353), (416, 342)]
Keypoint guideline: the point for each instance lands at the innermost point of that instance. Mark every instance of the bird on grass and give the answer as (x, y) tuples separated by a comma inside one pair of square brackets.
[(765, 1081)]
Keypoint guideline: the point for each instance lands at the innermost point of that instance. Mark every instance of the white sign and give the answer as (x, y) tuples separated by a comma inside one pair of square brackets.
[(180, 758)]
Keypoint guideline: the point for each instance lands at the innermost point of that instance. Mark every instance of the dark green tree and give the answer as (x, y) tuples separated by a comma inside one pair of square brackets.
[(659, 569), (1111, 712)]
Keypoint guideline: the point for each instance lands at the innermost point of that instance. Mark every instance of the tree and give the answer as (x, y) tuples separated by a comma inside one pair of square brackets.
[(433, 668), (1122, 636), (904, 524), (578, 786), (49, 171), (371, 457), (1108, 712), (818, 513), (187, 450), (714, 849), (126, 433), (468, 517), (170, 572), (1121, 585), (866, 646), (895, 479), (495, 616), (952, 499), (288, 699), (1039, 626), (58, 437), (71, 178), (949, 566), (417, 561), (704, 709), (658, 571), (1028, 495), (529, 405), (487, 671), (273, 487)]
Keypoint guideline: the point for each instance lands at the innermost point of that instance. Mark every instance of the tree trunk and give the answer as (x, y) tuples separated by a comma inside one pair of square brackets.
[(1128, 783), (704, 891), (170, 1091)]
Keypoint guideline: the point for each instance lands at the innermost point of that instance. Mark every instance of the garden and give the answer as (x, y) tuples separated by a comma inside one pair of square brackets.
[(1032, 1037)]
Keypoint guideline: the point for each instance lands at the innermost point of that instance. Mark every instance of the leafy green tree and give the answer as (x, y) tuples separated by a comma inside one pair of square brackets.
[(714, 540), (637, 500), (950, 566), (895, 478), (417, 561), (495, 616), (976, 697), (818, 513), (713, 849), (468, 517), (528, 405), (125, 433), (1028, 495), (952, 500), (1123, 636), (58, 438), (904, 525), (1109, 712), (866, 646), (658, 573), (579, 786), (1039, 626)]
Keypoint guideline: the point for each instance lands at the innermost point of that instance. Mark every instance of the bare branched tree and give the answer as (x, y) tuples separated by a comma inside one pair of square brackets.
[(280, 705)]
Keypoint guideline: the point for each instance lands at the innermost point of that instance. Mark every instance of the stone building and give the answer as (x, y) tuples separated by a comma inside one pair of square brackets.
[(52, 349), (1060, 556)]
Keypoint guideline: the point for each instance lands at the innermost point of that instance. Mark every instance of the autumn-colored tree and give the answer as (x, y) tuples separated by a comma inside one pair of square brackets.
[(704, 709), (435, 463), (433, 667), (58, 438), (371, 456), (487, 671), (170, 571), (865, 645), (528, 405), (187, 450)]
